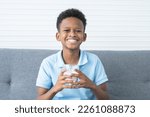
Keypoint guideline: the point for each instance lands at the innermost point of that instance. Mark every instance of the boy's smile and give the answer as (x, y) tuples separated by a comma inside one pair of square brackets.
[(71, 33)]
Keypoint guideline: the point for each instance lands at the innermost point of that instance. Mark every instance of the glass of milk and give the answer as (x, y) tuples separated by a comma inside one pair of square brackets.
[(69, 70)]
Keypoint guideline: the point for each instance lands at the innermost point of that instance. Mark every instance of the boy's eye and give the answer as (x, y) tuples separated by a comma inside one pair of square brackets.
[(66, 30), (78, 30)]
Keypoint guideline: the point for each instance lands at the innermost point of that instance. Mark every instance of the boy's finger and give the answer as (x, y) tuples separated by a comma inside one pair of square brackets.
[(75, 75), (62, 72), (78, 71)]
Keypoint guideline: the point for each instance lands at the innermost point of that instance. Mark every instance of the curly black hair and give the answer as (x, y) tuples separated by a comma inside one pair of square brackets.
[(71, 13)]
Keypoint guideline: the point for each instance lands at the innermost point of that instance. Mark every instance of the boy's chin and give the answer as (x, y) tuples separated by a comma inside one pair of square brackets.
[(73, 48)]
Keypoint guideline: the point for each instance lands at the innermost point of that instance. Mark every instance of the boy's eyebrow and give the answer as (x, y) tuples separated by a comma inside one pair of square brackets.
[(76, 27)]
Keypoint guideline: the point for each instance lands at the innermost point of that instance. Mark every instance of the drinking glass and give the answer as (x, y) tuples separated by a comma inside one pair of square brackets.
[(69, 70)]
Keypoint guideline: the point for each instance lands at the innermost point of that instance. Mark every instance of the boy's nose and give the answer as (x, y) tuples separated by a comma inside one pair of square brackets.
[(72, 34)]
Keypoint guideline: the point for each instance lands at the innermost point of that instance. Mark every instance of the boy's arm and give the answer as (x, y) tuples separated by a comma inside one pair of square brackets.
[(48, 94), (45, 94), (100, 91)]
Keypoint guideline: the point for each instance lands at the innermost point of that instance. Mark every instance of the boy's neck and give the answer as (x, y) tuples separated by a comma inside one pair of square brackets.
[(71, 56)]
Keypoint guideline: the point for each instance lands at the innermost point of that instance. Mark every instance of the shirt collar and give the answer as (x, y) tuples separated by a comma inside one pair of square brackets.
[(82, 60), (60, 60)]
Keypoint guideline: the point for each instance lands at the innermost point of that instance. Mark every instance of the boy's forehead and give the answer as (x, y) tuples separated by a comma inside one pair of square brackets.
[(71, 22)]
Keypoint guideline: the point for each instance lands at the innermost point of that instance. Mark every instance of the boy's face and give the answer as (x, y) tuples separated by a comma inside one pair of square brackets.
[(71, 33)]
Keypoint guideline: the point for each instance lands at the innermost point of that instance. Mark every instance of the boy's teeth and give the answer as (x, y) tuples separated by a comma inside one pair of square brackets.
[(72, 40)]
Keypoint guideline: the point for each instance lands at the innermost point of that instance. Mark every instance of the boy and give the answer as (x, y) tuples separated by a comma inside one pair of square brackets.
[(51, 81)]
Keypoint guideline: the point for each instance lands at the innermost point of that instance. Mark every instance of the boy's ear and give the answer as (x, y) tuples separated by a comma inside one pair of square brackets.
[(85, 35), (58, 36)]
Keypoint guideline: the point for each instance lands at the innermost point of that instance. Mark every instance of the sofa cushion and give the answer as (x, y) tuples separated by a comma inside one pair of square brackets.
[(128, 73)]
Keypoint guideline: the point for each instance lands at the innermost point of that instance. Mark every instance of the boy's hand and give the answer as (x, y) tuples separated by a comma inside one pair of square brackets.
[(61, 82), (84, 81)]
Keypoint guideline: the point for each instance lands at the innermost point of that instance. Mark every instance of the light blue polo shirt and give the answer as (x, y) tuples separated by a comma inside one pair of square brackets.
[(88, 63)]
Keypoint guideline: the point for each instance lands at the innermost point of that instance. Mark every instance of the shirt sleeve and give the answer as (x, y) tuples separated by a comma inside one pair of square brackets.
[(100, 75), (44, 80)]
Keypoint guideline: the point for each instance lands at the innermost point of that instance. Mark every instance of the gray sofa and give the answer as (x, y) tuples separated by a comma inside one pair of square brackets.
[(128, 73)]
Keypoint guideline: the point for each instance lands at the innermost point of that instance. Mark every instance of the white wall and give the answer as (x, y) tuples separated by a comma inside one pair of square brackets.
[(112, 24)]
